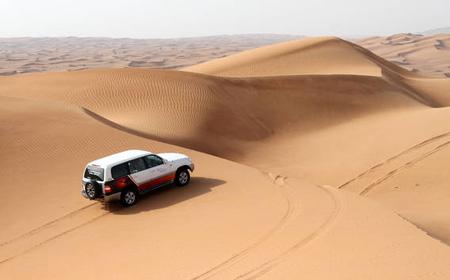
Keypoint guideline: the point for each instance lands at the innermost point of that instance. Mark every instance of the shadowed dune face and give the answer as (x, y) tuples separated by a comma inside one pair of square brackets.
[(191, 109), (325, 56), (300, 115)]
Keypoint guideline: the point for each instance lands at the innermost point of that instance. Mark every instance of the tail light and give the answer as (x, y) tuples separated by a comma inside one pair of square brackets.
[(107, 189)]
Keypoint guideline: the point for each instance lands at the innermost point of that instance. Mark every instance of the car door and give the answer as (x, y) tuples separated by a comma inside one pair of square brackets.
[(159, 172), (138, 172)]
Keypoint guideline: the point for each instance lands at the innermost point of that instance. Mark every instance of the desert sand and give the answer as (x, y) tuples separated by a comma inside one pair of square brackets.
[(315, 159), (428, 55)]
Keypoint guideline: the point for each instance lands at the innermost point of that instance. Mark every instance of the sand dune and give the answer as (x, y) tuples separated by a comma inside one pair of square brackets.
[(190, 109), (327, 55), (317, 55), (422, 54), (322, 126)]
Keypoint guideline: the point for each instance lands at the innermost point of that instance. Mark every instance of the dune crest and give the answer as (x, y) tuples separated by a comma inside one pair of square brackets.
[(321, 55), (324, 56)]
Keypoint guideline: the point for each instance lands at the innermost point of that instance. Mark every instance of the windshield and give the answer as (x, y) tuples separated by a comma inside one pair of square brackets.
[(94, 173)]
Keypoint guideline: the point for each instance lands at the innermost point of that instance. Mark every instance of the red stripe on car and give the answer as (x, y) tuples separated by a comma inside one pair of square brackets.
[(158, 181)]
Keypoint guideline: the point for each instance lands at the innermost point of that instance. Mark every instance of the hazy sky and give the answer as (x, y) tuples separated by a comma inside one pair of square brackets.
[(178, 18)]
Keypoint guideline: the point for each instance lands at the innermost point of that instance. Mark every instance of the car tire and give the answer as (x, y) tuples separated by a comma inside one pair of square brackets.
[(92, 190), (182, 177), (128, 197)]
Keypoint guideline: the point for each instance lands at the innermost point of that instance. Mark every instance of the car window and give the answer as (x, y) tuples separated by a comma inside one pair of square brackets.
[(137, 165), (120, 170), (94, 172), (153, 160)]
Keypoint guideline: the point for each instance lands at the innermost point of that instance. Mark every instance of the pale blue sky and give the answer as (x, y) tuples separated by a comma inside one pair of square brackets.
[(178, 18)]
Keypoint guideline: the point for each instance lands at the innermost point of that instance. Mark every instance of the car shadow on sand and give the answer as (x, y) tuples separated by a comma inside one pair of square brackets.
[(166, 196)]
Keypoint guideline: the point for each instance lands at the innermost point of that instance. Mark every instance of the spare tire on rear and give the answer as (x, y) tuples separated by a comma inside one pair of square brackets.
[(92, 190)]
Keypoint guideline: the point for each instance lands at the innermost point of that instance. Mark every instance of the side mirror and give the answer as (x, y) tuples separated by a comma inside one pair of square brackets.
[(165, 161)]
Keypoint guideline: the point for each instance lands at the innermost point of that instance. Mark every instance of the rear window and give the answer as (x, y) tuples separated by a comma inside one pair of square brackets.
[(120, 170), (94, 173)]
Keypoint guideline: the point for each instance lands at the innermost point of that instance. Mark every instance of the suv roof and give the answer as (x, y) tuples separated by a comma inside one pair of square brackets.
[(119, 158)]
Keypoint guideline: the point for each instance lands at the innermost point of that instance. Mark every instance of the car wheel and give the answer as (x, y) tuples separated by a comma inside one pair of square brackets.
[(92, 190), (129, 197), (182, 178)]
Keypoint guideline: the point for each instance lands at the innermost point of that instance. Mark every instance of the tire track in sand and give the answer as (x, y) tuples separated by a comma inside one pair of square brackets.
[(49, 231), (266, 267), (277, 180), (279, 233), (374, 176)]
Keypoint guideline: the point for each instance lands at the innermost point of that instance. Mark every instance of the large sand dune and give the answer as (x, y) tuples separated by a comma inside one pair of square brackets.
[(327, 55), (292, 143)]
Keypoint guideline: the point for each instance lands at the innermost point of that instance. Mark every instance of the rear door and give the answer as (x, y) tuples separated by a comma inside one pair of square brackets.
[(138, 171)]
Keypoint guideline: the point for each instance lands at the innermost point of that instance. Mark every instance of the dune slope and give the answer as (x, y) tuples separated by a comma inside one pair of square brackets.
[(191, 109), (321, 55), (44, 208), (184, 225)]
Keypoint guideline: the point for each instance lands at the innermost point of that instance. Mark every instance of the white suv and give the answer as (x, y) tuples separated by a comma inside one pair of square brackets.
[(126, 175)]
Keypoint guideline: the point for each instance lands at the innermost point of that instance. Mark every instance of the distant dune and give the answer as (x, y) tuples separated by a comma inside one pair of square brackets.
[(424, 54), (428, 55), (442, 30), (315, 159), (24, 55)]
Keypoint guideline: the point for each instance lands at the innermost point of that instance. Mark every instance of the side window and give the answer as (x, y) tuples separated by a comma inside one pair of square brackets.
[(153, 160), (119, 170), (137, 165)]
